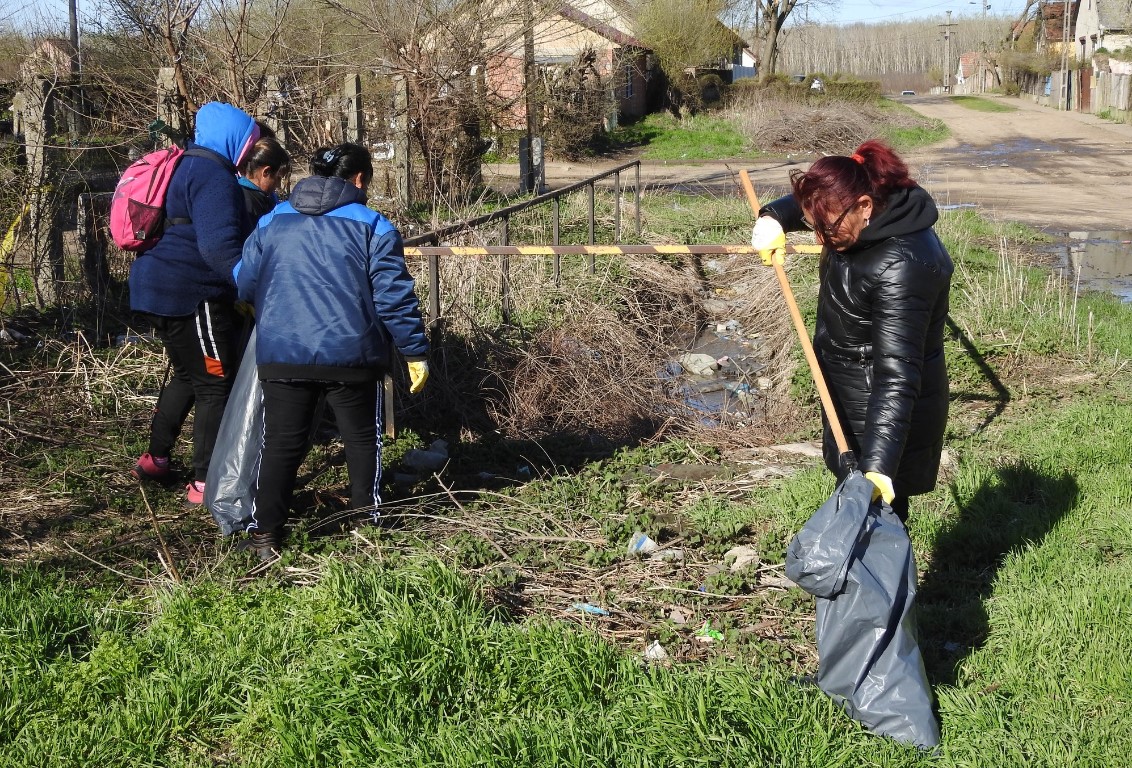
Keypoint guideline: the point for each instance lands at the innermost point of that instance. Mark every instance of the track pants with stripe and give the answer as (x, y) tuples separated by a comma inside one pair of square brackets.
[(289, 409), (204, 352)]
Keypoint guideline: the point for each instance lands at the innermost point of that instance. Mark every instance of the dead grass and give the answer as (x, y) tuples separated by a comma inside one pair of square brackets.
[(832, 128), (585, 359)]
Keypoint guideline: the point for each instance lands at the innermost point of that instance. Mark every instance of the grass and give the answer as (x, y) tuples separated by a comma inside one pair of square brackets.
[(980, 104), (424, 647), (702, 137), (905, 134)]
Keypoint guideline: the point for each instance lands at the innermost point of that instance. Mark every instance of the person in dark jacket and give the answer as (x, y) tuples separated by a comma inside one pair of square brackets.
[(184, 284), (261, 172), (327, 277), (885, 279)]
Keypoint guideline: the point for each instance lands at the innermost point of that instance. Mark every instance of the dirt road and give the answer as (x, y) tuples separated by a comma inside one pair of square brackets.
[(1055, 171)]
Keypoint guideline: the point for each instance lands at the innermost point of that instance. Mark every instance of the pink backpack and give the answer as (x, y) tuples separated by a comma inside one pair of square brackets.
[(137, 210)]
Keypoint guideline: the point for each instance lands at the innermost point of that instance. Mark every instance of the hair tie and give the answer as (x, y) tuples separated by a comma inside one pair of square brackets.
[(858, 158), (330, 156)]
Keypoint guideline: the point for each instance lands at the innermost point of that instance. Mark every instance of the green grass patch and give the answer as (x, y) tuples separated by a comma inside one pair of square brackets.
[(904, 139), (705, 136), (980, 104), (441, 646)]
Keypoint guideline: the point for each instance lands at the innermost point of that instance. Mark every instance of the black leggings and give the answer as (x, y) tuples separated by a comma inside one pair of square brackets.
[(288, 412), (204, 353)]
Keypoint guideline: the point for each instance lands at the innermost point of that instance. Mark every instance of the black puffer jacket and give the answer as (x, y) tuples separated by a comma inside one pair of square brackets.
[(882, 304)]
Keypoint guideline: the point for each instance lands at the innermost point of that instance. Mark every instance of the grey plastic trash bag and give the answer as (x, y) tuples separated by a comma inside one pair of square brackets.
[(235, 459), (856, 558)]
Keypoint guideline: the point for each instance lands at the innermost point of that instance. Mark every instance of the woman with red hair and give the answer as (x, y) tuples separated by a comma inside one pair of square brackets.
[(885, 279)]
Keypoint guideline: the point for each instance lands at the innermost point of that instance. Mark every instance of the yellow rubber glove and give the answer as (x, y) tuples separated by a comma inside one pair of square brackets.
[(769, 240), (418, 375), (883, 487)]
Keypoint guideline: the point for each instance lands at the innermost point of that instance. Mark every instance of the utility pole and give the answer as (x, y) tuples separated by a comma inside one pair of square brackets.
[(529, 181), (947, 53), (1063, 101), (75, 91)]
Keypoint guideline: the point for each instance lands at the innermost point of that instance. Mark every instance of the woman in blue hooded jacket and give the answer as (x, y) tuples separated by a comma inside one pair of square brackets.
[(184, 284), (327, 277)]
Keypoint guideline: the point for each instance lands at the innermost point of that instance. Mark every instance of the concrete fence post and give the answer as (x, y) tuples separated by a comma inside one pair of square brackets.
[(170, 104), (355, 114), (42, 194)]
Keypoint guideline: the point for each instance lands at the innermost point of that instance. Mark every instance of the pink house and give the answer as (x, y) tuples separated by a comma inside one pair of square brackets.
[(619, 58)]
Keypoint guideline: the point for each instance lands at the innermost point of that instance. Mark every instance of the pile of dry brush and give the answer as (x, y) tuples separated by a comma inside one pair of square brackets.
[(823, 127)]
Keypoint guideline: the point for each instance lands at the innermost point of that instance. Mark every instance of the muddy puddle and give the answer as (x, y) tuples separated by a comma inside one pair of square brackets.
[(1023, 152), (1096, 261)]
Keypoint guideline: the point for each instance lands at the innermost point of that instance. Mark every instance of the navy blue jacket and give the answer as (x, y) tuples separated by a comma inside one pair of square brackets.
[(193, 262), (327, 277)]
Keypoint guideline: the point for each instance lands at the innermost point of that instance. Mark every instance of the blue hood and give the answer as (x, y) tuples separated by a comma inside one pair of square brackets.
[(226, 130)]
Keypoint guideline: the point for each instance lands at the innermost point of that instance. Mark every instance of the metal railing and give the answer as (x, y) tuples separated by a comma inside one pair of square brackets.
[(437, 236)]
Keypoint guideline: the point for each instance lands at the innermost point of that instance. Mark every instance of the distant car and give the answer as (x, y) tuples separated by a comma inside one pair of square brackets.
[(907, 93)]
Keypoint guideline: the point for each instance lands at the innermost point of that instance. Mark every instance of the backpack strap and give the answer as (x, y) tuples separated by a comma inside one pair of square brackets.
[(217, 158)]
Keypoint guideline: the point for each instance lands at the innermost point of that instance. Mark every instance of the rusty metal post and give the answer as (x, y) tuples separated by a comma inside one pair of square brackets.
[(434, 292), (637, 196), (617, 207), (590, 196), (557, 216)]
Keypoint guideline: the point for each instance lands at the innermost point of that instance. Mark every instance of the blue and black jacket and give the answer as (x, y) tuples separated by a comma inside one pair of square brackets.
[(327, 277), (192, 262)]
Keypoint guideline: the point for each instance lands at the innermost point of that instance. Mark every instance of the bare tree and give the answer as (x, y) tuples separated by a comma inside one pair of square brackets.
[(886, 48), (441, 49), (244, 35), (162, 25)]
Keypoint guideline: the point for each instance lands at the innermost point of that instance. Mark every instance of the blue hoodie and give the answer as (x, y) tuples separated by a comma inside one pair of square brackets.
[(193, 262), (328, 280)]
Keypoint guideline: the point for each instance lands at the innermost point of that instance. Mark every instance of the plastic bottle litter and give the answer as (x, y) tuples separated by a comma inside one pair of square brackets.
[(592, 610), (669, 555), (641, 544)]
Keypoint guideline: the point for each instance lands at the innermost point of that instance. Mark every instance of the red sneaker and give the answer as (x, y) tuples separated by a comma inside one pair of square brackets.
[(194, 493), (151, 468)]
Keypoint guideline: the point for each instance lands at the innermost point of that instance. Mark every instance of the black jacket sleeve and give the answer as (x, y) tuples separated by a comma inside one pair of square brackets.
[(786, 210)]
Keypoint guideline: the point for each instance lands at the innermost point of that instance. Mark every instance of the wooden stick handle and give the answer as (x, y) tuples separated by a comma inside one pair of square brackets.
[(800, 327)]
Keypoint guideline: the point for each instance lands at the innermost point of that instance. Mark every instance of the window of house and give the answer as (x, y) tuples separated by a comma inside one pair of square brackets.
[(628, 81)]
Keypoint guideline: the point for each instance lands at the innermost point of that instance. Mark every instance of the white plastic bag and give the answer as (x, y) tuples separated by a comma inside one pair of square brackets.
[(239, 444)]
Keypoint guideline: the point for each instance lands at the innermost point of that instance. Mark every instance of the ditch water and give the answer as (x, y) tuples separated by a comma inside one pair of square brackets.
[(721, 375), (1096, 261)]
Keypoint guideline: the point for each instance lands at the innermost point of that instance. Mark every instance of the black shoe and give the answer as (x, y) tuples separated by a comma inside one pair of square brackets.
[(265, 545)]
